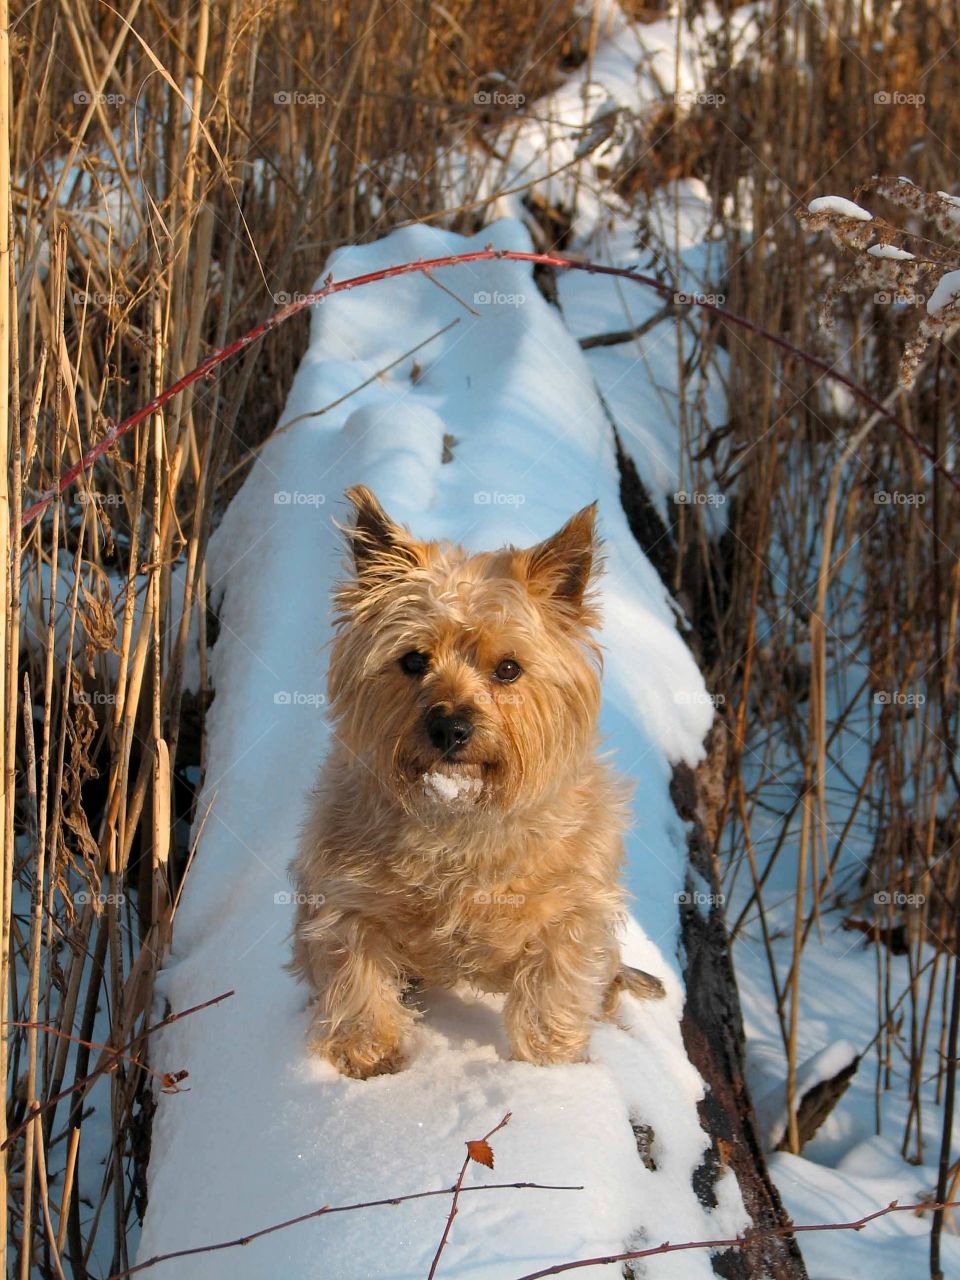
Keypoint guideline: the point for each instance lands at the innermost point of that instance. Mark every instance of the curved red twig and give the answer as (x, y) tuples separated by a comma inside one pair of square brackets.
[(426, 265)]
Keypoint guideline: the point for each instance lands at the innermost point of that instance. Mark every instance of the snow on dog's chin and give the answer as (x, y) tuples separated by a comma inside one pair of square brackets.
[(452, 785)]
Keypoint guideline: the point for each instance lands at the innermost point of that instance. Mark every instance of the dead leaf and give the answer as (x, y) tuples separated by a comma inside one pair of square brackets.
[(171, 1081), (481, 1151)]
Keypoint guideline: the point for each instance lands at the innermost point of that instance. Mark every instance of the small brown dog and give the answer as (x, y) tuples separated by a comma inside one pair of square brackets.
[(463, 828)]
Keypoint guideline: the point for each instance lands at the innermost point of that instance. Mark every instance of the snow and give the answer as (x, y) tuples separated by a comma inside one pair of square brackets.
[(848, 1168), (822, 1066), (891, 252), (838, 204), (869, 1178), (265, 1132), (451, 787), (945, 294)]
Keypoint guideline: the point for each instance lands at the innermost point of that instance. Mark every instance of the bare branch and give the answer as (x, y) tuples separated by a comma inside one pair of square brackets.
[(328, 1209)]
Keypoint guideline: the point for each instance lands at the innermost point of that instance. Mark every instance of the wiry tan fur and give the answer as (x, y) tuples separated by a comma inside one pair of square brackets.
[(511, 886)]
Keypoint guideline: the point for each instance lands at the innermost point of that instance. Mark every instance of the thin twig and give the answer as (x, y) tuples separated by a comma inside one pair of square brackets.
[(946, 1138), (45, 1027), (328, 1209), (108, 1061), (733, 1242), (318, 413), (458, 1187)]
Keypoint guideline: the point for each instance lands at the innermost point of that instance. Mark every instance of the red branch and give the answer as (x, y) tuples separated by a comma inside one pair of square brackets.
[(206, 368), (736, 1242)]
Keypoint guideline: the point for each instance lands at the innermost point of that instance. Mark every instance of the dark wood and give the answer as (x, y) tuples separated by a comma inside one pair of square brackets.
[(817, 1103), (712, 1029)]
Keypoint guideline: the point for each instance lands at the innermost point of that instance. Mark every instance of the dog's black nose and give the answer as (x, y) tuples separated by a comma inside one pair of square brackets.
[(448, 732)]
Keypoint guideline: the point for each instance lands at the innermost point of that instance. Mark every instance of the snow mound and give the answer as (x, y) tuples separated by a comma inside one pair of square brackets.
[(265, 1132)]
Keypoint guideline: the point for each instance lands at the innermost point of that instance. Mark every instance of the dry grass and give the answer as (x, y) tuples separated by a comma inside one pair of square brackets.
[(175, 170), (831, 608)]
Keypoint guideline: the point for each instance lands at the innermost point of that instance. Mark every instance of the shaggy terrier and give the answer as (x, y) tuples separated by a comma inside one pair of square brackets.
[(464, 827)]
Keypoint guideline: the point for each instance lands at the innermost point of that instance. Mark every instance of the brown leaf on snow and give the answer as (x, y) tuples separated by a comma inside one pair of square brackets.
[(481, 1151)]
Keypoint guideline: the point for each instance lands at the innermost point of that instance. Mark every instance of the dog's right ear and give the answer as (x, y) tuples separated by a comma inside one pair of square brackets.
[(378, 543)]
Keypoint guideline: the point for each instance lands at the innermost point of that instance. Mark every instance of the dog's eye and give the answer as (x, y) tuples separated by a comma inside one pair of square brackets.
[(507, 671), (415, 663)]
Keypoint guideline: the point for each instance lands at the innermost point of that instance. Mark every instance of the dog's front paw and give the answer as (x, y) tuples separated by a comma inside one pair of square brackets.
[(359, 1057)]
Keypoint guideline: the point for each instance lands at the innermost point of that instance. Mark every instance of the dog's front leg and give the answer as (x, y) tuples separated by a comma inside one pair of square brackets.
[(359, 1021), (557, 992)]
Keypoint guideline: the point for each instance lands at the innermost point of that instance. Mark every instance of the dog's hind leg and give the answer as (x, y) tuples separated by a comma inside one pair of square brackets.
[(637, 982)]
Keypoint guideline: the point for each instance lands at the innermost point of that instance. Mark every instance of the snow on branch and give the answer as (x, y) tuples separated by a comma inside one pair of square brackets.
[(925, 276)]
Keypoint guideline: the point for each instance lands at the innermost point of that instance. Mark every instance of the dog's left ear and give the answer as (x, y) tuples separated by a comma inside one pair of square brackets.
[(563, 564), (377, 542)]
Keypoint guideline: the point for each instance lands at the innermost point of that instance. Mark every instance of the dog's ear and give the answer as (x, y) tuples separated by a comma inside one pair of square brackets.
[(563, 565), (376, 541)]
